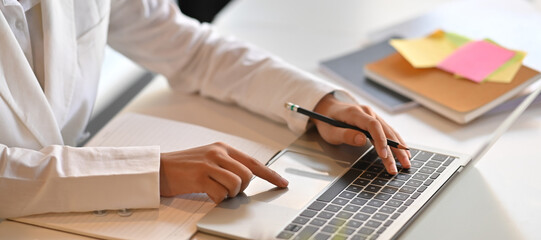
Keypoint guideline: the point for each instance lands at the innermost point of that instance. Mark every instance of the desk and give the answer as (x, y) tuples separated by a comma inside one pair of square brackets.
[(486, 203)]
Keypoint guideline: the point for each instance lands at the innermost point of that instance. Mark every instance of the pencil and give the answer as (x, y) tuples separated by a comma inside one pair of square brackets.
[(336, 123)]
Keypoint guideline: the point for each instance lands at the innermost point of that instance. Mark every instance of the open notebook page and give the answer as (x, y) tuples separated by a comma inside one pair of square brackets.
[(177, 217)]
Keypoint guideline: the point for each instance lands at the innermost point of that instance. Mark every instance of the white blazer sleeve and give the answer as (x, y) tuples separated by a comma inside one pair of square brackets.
[(67, 179), (195, 59)]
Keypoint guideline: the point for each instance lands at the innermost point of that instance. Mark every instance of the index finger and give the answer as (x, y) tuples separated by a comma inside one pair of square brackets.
[(258, 168)]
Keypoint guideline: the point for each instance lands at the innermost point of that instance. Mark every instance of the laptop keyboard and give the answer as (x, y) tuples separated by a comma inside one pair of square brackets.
[(366, 200)]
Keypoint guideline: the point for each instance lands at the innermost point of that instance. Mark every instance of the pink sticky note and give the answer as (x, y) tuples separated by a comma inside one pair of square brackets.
[(476, 60)]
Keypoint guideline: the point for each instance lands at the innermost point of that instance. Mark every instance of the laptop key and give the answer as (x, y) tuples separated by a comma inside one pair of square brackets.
[(372, 188), (396, 183), (387, 210), (361, 165), (344, 214), (329, 229), (340, 201), (308, 213), (380, 216), (301, 220), (361, 182), (433, 164), (420, 176), (423, 156), (333, 208), (383, 196), (440, 170), (284, 235), (400, 196), (369, 175), (374, 169), (361, 216), (407, 189), (389, 190), (373, 224), (339, 237), (408, 202), (346, 231), (380, 181), (346, 194), (394, 203), (439, 157), (358, 201), (318, 222), (325, 215), (317, 205), (293, 227), (368, 209), (339, 185), (375, 203), (354, 188), (366, 195), (366, 231), (416, 164), (449, 161), (306, 233), (385, 175), (322, 236), (427, 170), (354, 223), (352, 208), (337, 222), (414, 183), (402, 176)]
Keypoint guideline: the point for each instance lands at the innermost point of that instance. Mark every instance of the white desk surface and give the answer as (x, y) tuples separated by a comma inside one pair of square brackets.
[(499, 199)]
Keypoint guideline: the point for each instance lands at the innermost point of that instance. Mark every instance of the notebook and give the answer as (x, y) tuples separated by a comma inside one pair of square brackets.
[(342, 192), (456, 99), (176, 217), (348, 69)]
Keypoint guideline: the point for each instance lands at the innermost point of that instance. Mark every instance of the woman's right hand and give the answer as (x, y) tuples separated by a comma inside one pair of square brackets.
[(217, 169)]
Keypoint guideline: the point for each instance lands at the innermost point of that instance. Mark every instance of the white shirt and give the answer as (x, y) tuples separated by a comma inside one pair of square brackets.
[(25, 23), (39, 122)]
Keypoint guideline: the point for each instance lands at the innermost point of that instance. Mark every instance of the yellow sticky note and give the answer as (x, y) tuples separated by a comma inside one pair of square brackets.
[(429, 51), (507, 71)]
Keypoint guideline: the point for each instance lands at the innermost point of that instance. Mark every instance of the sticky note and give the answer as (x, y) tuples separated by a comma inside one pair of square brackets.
[(508, 70), (429, 51), (476, 60)]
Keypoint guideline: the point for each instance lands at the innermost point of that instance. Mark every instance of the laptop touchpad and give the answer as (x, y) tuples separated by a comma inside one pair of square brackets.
[(308, 175)]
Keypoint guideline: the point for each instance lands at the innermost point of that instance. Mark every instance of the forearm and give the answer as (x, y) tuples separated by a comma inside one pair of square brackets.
[(67, 179)]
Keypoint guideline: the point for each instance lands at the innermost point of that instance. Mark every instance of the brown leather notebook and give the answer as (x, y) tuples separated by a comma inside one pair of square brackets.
[(461, 100)]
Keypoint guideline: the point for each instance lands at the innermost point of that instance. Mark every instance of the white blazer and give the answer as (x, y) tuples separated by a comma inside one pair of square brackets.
[(40, 172)]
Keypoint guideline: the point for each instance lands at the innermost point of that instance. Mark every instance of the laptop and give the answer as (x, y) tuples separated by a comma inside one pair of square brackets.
[(342, 192)]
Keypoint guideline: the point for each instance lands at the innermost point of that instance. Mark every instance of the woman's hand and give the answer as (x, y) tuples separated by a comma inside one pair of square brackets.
[(365, 118), (217, 169)]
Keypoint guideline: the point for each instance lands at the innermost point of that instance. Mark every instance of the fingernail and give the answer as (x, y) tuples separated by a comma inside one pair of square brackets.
[(284, 182), (395, 171)]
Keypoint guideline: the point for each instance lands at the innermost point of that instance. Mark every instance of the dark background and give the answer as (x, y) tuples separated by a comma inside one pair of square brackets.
[(202, 10)]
